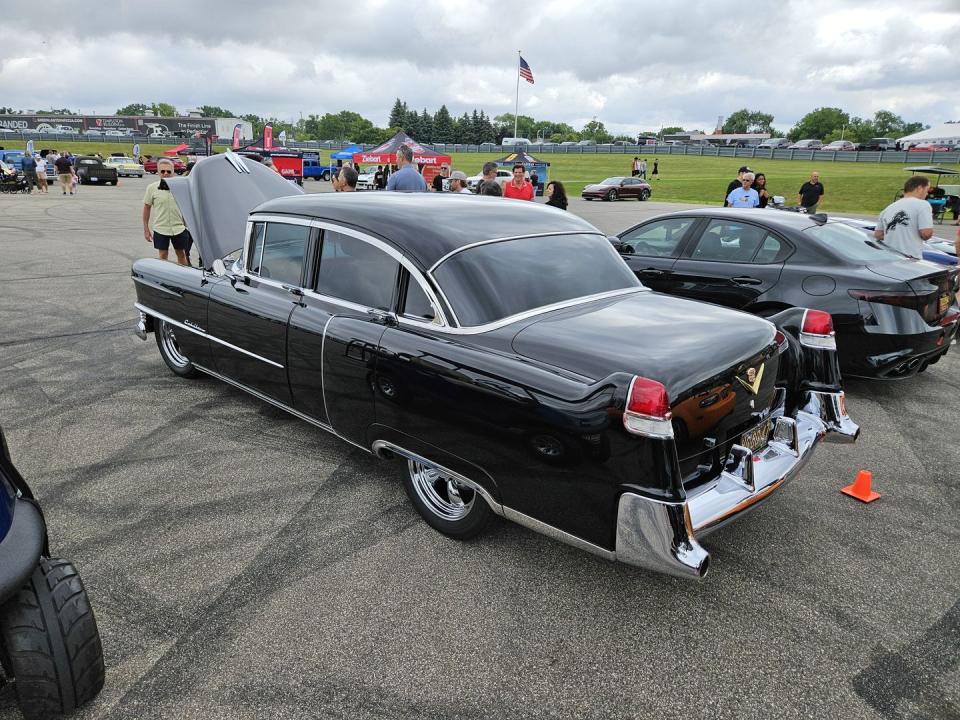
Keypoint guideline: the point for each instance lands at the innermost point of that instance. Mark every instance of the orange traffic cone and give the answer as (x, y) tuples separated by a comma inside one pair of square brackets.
[(861, 488)]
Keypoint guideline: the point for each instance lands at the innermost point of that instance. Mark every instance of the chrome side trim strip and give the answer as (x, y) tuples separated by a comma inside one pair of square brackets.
[(156, 286), (504, 239), (276, 403), (557, 534), (381, 445), (195, 331), (323, 380)]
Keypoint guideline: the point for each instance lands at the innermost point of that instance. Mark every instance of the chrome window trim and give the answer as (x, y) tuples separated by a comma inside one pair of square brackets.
[(490, 241), (473, 329), (203, 333), (404, 261), (246, 273)]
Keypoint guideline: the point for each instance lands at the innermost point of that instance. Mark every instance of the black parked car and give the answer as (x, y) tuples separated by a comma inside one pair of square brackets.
[(49, 643), (564, 395), (91, 170), (893, 315)]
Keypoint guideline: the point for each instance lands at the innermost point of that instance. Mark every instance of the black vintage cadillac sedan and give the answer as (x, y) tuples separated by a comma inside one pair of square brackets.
[(893, 315), (502, 349)]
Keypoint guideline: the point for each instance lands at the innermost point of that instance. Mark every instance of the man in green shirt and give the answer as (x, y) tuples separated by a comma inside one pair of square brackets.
[(168, 227)]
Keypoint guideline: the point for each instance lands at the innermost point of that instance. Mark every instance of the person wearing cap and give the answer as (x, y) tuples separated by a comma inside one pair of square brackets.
[(734, 184), (437, 184), (458, 182)]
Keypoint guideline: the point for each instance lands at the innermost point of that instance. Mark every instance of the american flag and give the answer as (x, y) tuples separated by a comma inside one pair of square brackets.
[(525, 71)]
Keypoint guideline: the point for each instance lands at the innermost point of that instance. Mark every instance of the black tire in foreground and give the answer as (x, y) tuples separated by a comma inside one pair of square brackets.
[(51, 645), (170, 350), (446, 504)]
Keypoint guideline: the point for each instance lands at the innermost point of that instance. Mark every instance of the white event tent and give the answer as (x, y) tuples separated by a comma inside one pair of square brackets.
[(947, 133)]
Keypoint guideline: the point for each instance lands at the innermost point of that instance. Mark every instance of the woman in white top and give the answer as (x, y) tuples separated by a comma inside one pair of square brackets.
[(42, 174)]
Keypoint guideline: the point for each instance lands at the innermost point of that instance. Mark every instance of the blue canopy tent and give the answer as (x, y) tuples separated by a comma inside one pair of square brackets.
[(531, 164), (346, 153)]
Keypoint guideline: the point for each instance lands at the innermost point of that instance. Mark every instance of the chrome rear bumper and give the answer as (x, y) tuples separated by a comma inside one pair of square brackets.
[(662, 536)]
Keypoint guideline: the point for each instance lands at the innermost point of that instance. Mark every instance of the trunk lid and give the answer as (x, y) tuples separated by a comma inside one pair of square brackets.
[(719, 366), (932, 283), (218, 195)]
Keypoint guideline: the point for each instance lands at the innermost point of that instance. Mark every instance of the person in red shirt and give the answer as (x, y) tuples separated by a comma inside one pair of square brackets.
[(518, 188)]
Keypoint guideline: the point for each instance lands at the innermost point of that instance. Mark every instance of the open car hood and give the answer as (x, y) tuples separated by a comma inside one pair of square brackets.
[(218, 195)]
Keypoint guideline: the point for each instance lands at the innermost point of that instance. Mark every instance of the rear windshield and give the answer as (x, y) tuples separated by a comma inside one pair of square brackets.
[(494, 281), (857, 246)]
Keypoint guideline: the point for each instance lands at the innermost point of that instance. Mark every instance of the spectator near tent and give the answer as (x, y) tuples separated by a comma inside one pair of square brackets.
[(537, 168), (386, 154)]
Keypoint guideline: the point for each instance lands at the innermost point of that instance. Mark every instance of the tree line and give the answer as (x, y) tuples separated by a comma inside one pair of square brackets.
[(476, 127)]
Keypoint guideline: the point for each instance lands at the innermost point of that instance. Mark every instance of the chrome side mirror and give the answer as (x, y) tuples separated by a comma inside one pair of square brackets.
[(219, 269)]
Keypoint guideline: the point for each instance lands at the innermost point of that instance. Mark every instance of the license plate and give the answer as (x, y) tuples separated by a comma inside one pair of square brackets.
[(94, 179), (943, 304), (757, 438)]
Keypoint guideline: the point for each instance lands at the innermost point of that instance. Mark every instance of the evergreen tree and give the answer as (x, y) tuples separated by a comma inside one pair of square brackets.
[(398, 114), (485, 131), (411, 125), (475, 128), (426, 127), (443, 126)]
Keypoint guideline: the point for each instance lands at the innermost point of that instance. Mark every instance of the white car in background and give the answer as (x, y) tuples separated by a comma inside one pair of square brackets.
[(502, 176), (366, 179)]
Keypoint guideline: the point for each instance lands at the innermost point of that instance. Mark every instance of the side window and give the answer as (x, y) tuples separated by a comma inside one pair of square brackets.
[(658, 239), (772, 250), (284, 248), (256, 248), (354, 270), (726, 241), (417, 305)]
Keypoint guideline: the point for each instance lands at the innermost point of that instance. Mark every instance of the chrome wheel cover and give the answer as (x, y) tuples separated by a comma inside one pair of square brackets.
[(443, 496), (171, 347), (547, 445)]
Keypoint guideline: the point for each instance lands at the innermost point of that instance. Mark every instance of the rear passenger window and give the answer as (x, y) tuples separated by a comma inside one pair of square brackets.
[(283, 250), (354, 270), (726, 241), (772, 250)]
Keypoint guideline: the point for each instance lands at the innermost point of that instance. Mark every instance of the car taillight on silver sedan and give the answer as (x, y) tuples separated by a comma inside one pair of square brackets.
[(648, 409)]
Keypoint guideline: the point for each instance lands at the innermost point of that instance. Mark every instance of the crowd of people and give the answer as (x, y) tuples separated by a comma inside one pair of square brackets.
[(749, 190), (407, 177), (35, 167)]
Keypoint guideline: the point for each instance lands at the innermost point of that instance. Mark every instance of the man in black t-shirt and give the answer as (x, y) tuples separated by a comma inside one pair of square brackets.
[(734, 184), (65, 173), (810, 193), (437, 184)]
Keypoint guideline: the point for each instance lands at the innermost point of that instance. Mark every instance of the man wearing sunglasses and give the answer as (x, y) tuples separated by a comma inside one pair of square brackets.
[(168, 227)]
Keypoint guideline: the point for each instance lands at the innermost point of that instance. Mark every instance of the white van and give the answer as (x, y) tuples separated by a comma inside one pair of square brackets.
[(510, 142)]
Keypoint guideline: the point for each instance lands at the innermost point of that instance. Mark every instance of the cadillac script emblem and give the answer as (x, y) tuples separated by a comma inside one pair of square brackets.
[(754, 377)]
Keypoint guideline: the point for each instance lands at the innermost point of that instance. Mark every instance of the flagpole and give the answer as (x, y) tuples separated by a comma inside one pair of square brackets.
[(516, 109)]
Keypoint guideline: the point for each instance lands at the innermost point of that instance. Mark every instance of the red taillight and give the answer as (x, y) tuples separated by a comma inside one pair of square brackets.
[(648, 409), (648, 397), (900, 298), (780, 339), (817, 322), (816, 330)]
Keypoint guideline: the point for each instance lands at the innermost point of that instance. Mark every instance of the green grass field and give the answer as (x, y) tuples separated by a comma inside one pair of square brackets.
[(850, 187)]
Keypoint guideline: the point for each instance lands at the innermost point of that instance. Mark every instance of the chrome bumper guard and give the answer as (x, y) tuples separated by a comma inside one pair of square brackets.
[(141, 329), (662, 536)]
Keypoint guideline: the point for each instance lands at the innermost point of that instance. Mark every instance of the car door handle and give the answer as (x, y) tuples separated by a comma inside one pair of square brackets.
[(653, 272), (382, 316), (293, 290), (746, 280)]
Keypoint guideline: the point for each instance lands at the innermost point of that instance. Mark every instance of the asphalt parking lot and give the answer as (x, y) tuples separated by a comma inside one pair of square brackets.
[(243, 564)]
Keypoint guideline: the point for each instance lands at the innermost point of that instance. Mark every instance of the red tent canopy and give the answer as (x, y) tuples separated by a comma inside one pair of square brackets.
[(386, 154), (173, 151)]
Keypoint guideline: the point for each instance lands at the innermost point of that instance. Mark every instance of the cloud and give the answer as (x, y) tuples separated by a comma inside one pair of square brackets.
[(633, 67)]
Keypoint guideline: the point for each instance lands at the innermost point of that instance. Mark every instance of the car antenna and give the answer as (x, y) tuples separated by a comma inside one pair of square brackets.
[(819, 218)]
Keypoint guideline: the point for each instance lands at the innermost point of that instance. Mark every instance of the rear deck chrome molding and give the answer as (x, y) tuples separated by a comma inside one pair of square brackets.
[(166, 318), (276, 403)]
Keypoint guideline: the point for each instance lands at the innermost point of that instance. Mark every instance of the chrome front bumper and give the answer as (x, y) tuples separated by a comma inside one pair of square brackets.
[(662, 536)]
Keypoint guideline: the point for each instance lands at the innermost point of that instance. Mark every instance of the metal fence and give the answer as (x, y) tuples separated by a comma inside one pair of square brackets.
[(949, 158)]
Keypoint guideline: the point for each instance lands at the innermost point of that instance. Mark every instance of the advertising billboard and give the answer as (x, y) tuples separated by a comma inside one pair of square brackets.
[(110, 122), (58, 123), (176, 126)]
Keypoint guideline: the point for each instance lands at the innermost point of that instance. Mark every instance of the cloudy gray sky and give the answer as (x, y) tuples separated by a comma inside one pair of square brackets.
[(634, 65)]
